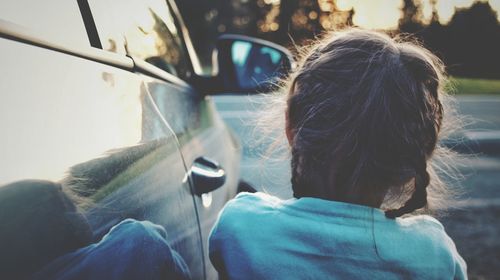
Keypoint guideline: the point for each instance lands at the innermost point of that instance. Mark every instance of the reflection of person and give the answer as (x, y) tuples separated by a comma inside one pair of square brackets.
[(39, 223), (362, 119), (43, 236), (130, 250)]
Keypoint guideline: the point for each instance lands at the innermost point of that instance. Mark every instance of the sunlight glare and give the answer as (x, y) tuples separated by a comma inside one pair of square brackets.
[(385, 14), (374, 14), (446, 9)]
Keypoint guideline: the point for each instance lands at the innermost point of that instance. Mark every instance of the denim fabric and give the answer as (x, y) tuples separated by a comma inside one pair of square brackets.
[(130, 250), (258, 236)]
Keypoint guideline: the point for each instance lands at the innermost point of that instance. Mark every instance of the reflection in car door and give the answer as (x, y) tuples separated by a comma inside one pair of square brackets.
[(89, 123), (201, 133), (127, 28)]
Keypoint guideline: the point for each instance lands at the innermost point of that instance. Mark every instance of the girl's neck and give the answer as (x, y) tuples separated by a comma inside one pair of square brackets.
[(372, 199)]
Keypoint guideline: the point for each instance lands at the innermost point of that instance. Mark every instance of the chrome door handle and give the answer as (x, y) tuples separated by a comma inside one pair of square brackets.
[(207, 175)]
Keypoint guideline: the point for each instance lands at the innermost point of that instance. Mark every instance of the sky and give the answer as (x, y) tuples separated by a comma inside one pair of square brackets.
[(382, 14)]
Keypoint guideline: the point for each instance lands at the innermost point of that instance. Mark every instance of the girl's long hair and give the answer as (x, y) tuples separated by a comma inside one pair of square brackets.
[(366, 112)]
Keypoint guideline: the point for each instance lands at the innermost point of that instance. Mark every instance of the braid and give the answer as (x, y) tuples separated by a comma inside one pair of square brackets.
[(303, 184), (305, 180), (295, 174), (419, 197)]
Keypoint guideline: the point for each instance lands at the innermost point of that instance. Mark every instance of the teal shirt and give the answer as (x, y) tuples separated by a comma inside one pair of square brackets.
[(258, 236)]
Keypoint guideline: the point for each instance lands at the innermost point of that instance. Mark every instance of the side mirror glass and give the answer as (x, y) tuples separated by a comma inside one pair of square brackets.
[(247, 65)]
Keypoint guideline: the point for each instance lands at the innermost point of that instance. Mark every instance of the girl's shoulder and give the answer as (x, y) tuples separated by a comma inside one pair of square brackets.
[(246, 209), (240, 215), (248, 203), (261, 197), (419, 243), (419, 234), (422, 229), (421, 221)]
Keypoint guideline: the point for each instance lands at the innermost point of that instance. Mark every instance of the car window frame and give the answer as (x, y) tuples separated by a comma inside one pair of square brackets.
[(146, 67)]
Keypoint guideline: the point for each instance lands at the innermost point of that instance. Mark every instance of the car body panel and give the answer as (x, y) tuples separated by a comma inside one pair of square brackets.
[(95, 129)]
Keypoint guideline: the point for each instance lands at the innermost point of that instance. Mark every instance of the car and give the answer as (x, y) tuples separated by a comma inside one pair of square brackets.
[(107, 99)]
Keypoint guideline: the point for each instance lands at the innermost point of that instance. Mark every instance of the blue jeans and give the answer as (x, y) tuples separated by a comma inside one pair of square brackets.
[(130, 250)]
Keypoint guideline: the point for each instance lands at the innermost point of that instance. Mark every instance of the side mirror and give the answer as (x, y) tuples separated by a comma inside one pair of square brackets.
[(247, 65)]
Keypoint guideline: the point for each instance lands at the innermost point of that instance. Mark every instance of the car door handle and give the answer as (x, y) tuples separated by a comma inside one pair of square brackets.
[(207, 175)]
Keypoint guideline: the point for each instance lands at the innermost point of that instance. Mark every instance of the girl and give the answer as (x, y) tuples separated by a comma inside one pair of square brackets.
[(363, 117)]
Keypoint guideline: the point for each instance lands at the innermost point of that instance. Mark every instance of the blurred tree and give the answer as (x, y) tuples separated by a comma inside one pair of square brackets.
[(203, 24), (435, 35), (305, 20), (474, 41), (342, 18), (242, 17), (411, 20), (434, 15), (280, 20), (269, 24), (210, 19), (287, 9), (469, 44)]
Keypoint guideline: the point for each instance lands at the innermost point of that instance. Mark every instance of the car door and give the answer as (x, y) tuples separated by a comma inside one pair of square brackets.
[(85, 118), (152, 34)]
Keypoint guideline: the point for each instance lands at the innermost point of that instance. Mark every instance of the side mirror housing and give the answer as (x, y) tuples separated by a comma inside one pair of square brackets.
[(249, 65)]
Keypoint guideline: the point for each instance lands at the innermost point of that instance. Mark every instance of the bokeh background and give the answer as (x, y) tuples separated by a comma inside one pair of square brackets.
[(464, 33)]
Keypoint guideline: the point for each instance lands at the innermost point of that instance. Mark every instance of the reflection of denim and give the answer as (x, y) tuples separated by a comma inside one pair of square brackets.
[(130, 250)]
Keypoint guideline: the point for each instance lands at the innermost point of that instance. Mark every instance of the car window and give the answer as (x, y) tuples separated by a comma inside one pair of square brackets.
[(59, 19), (145, 29)]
